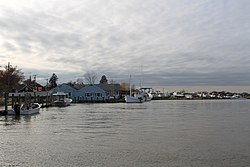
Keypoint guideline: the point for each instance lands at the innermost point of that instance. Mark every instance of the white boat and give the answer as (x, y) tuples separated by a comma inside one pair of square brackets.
[(188, 96), (146, 92), (68, 101), (180, 94), (237, 97), (60, 99), (25, 109), (136, 98)]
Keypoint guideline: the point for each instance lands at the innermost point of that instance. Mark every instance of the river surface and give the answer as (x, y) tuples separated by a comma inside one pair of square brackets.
[(158, 133)]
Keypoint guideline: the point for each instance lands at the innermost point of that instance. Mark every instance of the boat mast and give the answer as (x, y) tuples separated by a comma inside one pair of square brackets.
[(141, 76), (130, 85)]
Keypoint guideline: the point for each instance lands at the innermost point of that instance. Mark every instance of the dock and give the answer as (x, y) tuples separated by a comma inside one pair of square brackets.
[(3, 113)]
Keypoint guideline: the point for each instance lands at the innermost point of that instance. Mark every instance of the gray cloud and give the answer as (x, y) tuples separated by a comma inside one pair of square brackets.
[(176, 42)]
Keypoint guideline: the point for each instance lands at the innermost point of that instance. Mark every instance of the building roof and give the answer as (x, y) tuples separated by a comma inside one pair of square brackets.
[(92, 87), (24, 88), (109, 87), (78, 86)]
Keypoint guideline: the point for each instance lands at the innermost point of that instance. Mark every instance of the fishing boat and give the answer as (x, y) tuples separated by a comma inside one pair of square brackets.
[(135, 98), (146, 92), (60, 99), (25, 109)]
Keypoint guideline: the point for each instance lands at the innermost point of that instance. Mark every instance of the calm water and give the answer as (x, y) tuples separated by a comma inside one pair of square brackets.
[(158, 133)]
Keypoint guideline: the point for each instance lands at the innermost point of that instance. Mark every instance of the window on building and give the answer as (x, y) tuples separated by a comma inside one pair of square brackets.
[(88, 94), (99, 94)]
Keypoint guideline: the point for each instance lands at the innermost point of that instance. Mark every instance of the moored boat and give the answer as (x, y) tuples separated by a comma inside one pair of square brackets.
[(146, 92), (60, 99), (135, 99), (25, 109)]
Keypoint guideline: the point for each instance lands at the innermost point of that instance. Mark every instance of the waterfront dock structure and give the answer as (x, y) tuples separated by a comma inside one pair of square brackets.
[(41, 97), (37, 97), (104, 93), (3, 113), (45, 99)]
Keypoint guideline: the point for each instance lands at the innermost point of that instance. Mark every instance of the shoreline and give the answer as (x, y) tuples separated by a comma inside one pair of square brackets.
[(238, 89), (2, 111)]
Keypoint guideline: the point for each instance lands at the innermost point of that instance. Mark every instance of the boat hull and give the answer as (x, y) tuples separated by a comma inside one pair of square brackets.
[(148, 97), (62, 103), (132, 99), (26, 111)]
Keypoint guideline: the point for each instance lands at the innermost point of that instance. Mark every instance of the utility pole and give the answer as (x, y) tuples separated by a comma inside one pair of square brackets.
[(35, 75), (35, 86), (47, 98), (6, 98)]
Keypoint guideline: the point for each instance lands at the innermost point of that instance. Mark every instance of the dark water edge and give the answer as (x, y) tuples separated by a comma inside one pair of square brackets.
[(158, 133)]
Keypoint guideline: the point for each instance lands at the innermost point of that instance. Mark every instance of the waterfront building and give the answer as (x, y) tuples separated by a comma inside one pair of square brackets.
[(91, 93), (34, 89), (114, 91), (69, 89)]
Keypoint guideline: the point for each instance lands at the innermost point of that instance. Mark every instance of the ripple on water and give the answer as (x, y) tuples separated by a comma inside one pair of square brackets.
[(176, 133)]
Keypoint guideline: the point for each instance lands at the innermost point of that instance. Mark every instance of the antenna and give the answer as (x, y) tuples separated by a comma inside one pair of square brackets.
[(35, 75)]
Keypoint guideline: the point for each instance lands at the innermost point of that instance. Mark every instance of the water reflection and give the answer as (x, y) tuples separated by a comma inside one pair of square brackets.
[(15, 119), (159, 133)]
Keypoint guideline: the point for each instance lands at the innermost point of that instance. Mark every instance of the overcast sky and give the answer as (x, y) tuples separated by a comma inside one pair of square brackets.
[(176, 42)]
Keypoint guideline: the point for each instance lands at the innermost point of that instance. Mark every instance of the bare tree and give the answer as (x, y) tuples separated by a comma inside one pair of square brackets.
[(79, 81), (90, 77), (9, 80), (112, 81)]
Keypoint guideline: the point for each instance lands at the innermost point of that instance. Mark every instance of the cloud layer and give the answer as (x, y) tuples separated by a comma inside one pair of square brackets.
[(184, 42)]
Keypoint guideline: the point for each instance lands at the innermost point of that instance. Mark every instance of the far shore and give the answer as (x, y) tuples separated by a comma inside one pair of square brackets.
[(236, 89)]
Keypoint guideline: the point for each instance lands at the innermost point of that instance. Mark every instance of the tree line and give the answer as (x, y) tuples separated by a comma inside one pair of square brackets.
[(11, 77)]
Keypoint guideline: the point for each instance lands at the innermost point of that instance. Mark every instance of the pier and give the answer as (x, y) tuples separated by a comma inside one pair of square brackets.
[(3, 113), (36, 97)]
